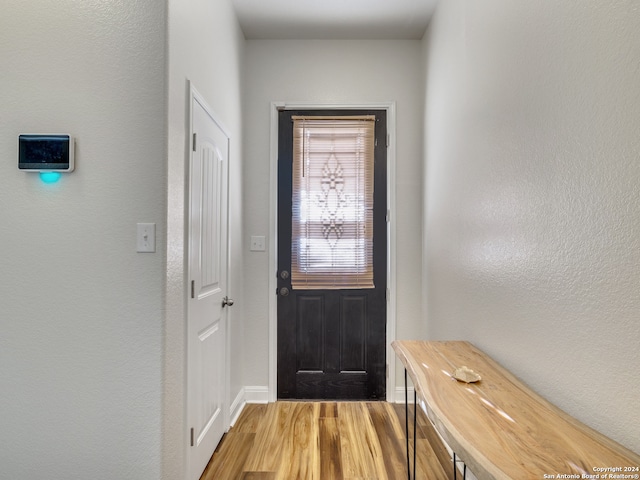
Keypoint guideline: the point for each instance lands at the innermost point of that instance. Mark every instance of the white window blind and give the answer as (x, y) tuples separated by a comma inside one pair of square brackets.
[(332, 214)]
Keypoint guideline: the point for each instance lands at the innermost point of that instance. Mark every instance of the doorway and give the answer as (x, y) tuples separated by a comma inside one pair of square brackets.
[(332, 254)]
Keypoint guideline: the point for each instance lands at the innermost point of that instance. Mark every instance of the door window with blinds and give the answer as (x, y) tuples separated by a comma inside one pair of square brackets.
[(332, 197)]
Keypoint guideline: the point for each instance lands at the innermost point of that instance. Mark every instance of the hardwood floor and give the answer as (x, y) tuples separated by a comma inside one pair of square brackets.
[(326, 441)]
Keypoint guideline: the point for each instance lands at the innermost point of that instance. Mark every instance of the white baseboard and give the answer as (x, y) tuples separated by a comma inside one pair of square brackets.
[(399, 395), (237, 406), (247, 395), (256, 394)]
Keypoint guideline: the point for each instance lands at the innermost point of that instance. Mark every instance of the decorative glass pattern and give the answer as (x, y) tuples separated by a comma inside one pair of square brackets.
[(332, 214)]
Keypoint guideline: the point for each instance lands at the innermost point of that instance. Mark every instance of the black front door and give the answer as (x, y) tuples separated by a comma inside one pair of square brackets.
[(332, 208)]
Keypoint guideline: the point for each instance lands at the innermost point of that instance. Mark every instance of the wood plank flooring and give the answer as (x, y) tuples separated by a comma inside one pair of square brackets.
[(326, 441)]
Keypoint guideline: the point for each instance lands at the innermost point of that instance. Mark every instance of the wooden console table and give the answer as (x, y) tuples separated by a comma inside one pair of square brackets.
[(498, 426)]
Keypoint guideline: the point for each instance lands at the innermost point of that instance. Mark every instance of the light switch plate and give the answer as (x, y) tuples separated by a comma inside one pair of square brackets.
[(146, 237), (258, 243)]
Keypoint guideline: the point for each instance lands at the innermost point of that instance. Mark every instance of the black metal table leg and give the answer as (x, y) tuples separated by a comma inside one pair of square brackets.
[(455, 468), (406, 421), (415, 416)]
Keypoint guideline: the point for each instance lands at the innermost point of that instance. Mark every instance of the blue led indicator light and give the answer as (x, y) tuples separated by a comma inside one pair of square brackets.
[(50, 177)]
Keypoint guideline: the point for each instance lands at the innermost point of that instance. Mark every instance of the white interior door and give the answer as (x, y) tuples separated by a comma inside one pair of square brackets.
[(207, 318)]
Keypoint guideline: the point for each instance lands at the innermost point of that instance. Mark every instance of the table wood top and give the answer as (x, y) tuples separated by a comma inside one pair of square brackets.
[(498, 426)]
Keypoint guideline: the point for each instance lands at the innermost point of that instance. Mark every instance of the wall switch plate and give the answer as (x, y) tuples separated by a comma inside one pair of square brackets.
[(258, 243), (146, 237)]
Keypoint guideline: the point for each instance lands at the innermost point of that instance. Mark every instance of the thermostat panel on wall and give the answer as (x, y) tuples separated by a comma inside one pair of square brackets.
[(46, 153)]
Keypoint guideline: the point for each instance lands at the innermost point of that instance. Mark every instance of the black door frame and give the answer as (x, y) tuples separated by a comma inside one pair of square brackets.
[(394, 393)]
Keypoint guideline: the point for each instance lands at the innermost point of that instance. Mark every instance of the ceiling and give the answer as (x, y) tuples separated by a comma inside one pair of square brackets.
[(334, 19)]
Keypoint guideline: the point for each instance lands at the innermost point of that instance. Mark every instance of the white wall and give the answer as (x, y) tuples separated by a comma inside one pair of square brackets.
[(329, 72), (89, 389), (81, 312), (532, 242), (206, 47)]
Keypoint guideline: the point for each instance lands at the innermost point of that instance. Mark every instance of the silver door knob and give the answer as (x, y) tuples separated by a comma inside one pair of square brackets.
[(284, 291), (226, 301)]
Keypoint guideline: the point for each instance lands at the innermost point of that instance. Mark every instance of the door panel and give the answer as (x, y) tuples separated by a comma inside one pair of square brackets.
[(310, 329), (206, 329), (353, 329), (331, 342)]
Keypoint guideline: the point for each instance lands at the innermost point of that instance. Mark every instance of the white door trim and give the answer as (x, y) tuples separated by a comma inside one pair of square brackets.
[(390, 108)]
